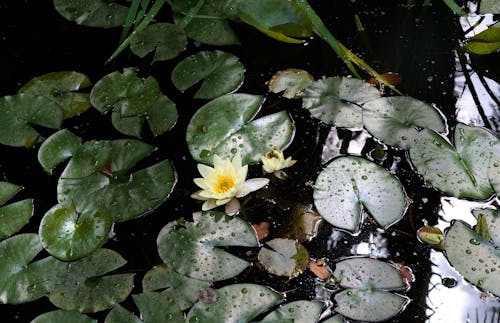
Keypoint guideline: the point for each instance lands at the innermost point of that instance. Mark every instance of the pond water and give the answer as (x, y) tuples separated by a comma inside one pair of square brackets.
[(417, 42)]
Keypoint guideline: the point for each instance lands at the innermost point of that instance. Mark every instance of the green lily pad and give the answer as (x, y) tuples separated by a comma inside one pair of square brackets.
[(195, 248), (84, 286), (167, 40), (288, 257), (486, 42), (298, 312), (337, 100), (221, 73), (226, 126), (157, 307), (57, 148), (494, 169), (70, 235), (16, 215), (92, 13), (489, 6), (181, 290), (120, 315), (396, 120), (351, 184), (475, 258), (292, 81), (235, 303), (492, 221), (19, 112), (62, 87), (60, 316), (279, 19), (461, 171), (369, 305), (98, 176), (20, 280), (335, 319)]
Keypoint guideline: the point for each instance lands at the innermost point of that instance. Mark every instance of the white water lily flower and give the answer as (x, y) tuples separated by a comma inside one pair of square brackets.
[(223, 183), (274, 162)]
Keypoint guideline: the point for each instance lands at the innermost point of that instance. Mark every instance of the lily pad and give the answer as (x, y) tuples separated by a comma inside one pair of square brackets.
[(60, 316), (20, 280), (22, 110), (179, 289), (486, 42), (396, 120), (489, 6), (84, 286), (120, 315), (475, 258), (92, 13), (69, 235), (221, 73), (62, 87), (16, 215), (57, 148), (461, 171), (492, 221), (195, 249), (351, 184), (337, 100), (226, 126), (288, 257), (369, 305), (494, 169), (157, 307), (335, 319), (167, 40), (298, 312), (292, 81), (235, 303)]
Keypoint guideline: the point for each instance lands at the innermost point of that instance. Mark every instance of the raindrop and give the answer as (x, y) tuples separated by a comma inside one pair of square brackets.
[(244, 290), (474, 241), (449, 282)]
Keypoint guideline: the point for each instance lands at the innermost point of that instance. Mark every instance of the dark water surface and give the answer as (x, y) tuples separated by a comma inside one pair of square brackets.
[(414, 41)]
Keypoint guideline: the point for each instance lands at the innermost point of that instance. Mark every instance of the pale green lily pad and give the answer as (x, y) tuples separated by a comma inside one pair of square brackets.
[(494, 169), (226, 126), (70, 235), (489, 6), (62, 87), (298, 312), (20, 280), (57, 148), (292, 82), (369, 305), (221, 73), (397, 119), (84, 286), (180, 289), (335, 319), (98, 175), (60, 316), (337, 100), (167, 40), (288, 257), (235, 303), (475, 258), (493, 223), (19, 112), (195, 249), (351, 184), (92, 13), (461, 171), (16, 215), (120, 315)]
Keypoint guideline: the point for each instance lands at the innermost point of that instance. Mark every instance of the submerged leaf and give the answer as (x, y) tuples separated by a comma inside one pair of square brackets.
[(292, 81), (92, 13), (167, 40), (288, 257)]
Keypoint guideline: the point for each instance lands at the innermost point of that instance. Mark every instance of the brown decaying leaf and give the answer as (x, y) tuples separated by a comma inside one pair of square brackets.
[(106, 168), (390, 77), (318, 268), (406, 273), (261, 230)]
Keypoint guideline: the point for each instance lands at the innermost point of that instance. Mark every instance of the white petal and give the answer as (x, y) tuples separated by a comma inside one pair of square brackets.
[(218, 163), (208, 205), (196, 195), (201, 183), (205, 171), (232, 207), (222, 201), (251, 185)]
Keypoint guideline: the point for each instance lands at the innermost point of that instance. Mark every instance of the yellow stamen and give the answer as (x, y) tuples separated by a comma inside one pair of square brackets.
[(224, 184)]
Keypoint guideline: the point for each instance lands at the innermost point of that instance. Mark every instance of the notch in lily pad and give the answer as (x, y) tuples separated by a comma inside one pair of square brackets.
[(291, 81), (16, 215), (165, 39)]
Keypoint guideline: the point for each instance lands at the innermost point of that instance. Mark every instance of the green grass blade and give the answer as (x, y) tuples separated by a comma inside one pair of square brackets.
[(455, 7), (191, 14), (131, 16)]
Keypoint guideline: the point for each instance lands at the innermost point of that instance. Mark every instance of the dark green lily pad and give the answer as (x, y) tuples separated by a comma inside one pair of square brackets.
[(120, 315), (70, 235), (221, 73), (62, 87), (298, 312), (195, 249), (292, 82), (84, 286), (337, 100), (167, 40), (60, 316), (351, 184), (492, 221), (369, 305), (16, 215), (180, 289), (157, 307), (57, 148), (397, 119), (288, 257), (225, 126), (20, 280), (235, 303), (474, 257), (19, 112), (461, 171), (92, 13)]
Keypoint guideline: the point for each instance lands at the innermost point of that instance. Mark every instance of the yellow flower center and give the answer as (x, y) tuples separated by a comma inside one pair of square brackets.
[(224, 184)]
